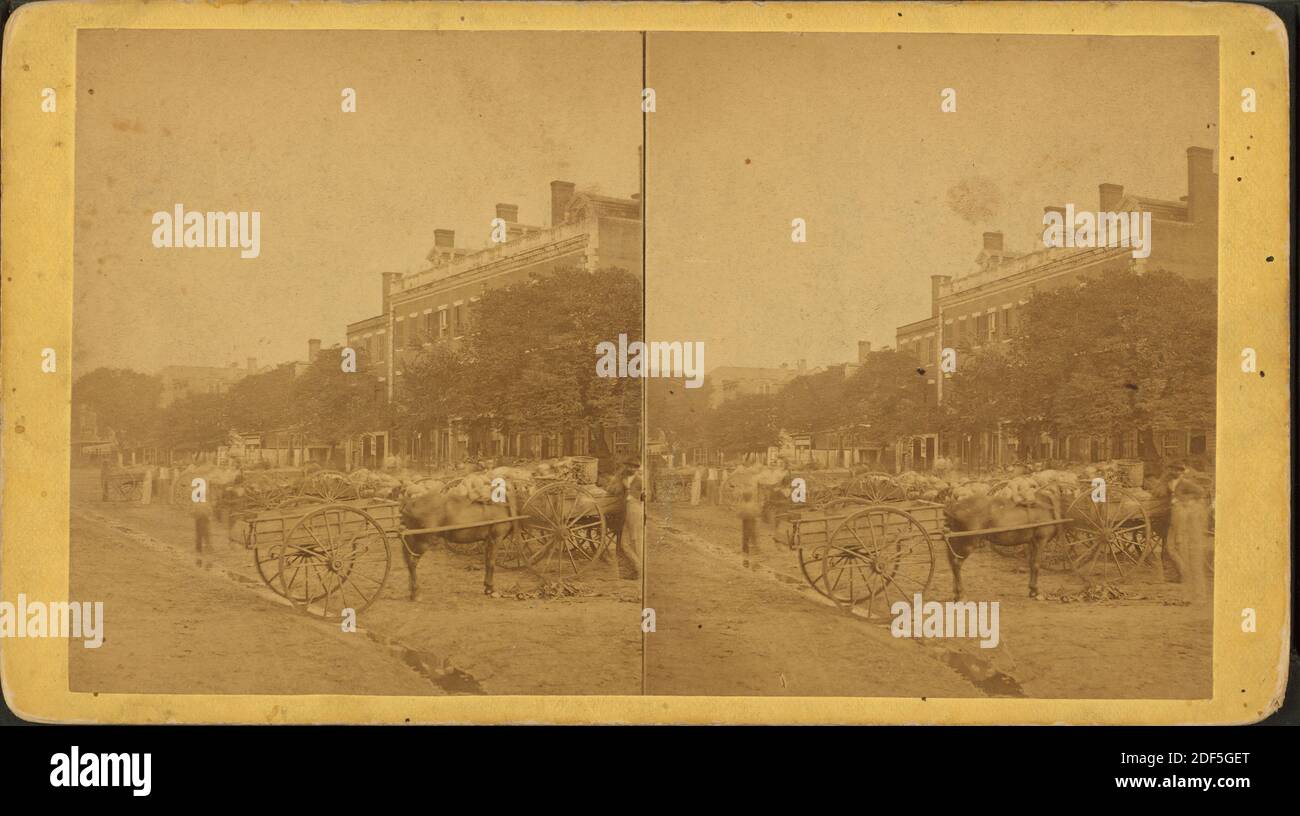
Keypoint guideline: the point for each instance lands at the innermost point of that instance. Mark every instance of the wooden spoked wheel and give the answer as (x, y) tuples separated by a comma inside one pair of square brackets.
[(266, 493), (336, 557), (877, 553), (876, 488), (810, 558), (330, 486), (564, 532), (1105, 540), (266, 558), (130, 488), (512, 553), (823, 495)]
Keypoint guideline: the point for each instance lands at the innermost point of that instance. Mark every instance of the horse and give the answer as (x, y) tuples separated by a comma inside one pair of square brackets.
[(440, 509), (986, 513)]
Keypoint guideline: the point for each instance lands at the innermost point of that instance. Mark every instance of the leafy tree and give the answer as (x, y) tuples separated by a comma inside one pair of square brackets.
[(330, 404), (743, 424), (678, 412), (813, 402), (263, 402), (979, 394), (1117, 352), (432, 389), (194, 422), (890, 396), (125, 401), (530, 356)]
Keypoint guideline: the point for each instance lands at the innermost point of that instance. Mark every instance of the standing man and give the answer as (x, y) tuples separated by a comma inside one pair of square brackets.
[(104, 470), (749, 510), (1189, 542), (202, 513), (633, 541)]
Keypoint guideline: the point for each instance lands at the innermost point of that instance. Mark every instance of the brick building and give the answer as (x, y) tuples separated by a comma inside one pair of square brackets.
[(729, 382), (982, 307), (183, 381), (587, 231)]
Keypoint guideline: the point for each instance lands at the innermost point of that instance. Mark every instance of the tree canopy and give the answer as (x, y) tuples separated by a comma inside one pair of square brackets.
[(1120, 352), (124, 401), (529, 362)]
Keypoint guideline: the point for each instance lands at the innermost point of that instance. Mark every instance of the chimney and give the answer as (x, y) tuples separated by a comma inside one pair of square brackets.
[(1108, 197), (561, 195), (390, 283), (252, 363), (937, 282), (1202, 186), (864, 348), (992, 242), (508, 213), (313, 350), (801, 364), (444, 238)]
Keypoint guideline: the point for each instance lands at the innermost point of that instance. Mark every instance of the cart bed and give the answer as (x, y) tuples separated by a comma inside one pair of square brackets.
[(270, 528), (806, 529)]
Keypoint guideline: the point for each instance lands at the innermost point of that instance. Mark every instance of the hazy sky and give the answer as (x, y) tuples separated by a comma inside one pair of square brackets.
[(447, 125), (750, 131), (845, 131)]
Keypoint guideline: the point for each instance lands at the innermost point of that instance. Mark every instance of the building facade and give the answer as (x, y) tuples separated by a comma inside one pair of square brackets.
[(179, 382), (969, 311), (587, 231), (729, 382)]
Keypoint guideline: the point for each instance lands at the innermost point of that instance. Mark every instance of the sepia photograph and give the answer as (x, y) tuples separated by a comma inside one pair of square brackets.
[(960, 313), (645, 363), (335, 422)]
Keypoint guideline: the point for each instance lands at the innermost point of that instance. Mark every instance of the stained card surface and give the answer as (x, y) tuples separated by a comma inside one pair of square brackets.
[(455, 363)]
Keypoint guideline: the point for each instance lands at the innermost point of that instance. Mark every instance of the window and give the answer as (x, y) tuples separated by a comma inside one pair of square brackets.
[(1173, 444), (1006, 320), (399, 334), (427, 327), (993, 325), (442, 322), (458, 320), (1196, 444)]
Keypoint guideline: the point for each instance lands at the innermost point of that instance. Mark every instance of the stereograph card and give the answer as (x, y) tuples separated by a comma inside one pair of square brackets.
[(645, 363)]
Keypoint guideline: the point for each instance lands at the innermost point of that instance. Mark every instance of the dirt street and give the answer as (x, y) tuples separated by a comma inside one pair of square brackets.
[(726, 625), (729, 625), (178, 624)]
